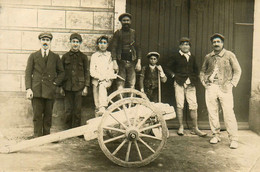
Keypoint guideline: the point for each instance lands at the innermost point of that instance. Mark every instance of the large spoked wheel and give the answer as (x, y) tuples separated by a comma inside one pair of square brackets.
[(131, 145), (124, 93)]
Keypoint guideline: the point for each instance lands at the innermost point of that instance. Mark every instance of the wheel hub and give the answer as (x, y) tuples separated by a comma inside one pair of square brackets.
[(132, 134)]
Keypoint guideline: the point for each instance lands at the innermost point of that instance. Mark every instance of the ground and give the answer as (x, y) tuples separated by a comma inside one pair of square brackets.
[(187, 153)]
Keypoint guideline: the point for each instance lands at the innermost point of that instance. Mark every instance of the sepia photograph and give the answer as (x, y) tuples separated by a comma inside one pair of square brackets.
[(129, 85)]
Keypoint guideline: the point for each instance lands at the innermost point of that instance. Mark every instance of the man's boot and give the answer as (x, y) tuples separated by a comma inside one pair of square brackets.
[(195, 130), (180, 132)]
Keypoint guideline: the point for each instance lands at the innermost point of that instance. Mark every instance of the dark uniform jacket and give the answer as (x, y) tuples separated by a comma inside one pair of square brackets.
[(76, 68), (42, 75), (182, 69), (124, 41)]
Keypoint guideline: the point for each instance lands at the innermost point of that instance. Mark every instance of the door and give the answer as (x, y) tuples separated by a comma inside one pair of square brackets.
[(159, 25)]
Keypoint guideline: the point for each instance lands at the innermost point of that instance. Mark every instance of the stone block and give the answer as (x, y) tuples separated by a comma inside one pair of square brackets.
[(10, 82), (94, 3), (17, 61), (36, 2), (15, 111), (51, 19), (11, 1), (3, 61), (67, 3), (60, 42), (103, 20), (89, 42), (111, 3), (23, 82), (30, 40), (10, 39), (18, 17), (79, 20)]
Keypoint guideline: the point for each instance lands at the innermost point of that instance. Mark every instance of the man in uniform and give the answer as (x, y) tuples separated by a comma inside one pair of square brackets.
[(76, 81), (125, 52), (219, 74), (44, 72)]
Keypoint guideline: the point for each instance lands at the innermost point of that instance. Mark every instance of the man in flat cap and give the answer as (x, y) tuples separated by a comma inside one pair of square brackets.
[(126, 53), (183, 68), (149, 77), (220, 72), (76, 81), (44, 72)]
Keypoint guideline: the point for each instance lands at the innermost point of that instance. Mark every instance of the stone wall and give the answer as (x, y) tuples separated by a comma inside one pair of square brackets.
[(21, 21)]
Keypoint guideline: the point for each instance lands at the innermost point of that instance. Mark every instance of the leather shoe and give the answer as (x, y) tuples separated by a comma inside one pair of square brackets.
[(180, 132), (233, 144), (215, 140)]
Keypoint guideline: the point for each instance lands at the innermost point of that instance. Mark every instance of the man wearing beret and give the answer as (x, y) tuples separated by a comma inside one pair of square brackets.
[(76, 81), (184, 70), (219, 74), (44, 72), (126, 53), (149, 77)]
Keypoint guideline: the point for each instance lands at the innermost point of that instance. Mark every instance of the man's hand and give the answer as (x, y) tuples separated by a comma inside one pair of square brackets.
[(115, 66), (62, 92), (205, 85), (138, 65), (142, 90), (29, 94), (159, 67), (85, 91)]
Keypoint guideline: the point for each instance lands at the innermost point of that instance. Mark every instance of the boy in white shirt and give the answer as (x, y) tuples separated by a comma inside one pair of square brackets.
[(102, 73)]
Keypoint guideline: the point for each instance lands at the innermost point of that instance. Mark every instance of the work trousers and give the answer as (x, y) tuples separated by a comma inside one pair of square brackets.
[(126, 71), (42, 115), (73, 102), (213, 94), (100, 92)]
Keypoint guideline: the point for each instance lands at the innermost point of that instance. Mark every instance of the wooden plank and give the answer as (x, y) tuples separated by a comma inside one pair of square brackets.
[(138, 22), (154, 25), (216, 15), (145, 29), (231, 23), (178, 15), (184, 19), (166, 36), (210, 24), (172, 39), (192, 25), (161, 30), (221, 18), (226, 25)]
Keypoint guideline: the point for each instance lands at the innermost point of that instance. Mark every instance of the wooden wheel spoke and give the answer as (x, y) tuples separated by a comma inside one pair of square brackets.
[(132, 94), (114, 139), (110, 101), (149, 147), (128, 151), (121, 96), (119, 147), (150, 127), (138, 150), (149, 136), (114, 129), (118, 121)]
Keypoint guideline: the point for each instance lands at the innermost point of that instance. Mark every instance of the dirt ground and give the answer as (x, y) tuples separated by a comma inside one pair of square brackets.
[(187, 153)]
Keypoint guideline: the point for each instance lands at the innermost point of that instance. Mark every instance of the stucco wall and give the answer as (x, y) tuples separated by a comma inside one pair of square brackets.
[(254, 108), (20, 23)]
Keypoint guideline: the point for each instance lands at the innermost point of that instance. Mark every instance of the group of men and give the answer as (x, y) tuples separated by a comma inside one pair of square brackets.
[(45, 72)]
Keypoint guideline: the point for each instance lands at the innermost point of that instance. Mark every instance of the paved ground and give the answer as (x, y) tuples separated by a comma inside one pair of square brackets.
[(187, 153)]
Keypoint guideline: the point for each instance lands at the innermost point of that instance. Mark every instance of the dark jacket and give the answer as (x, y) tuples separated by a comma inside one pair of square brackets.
[(76, 68), (182, 69), (149, 78), (41, 78), (119, 41)]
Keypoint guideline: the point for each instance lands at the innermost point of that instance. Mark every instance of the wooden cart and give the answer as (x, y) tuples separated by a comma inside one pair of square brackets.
[(132, 132)]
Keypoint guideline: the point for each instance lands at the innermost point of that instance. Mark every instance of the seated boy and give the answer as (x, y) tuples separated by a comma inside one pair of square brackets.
[(149, 77), (101, 69)]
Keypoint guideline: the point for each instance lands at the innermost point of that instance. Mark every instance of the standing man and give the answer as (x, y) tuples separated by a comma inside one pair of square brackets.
[(125, 52), (220, 72), (76, 81), (44, 72), (184, 70)]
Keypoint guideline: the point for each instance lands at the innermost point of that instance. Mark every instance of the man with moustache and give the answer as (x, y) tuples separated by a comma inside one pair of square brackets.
[(126, 53), (76, 81), (44, 72), (219, 74)]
